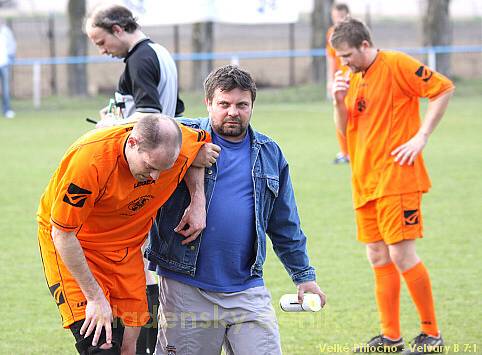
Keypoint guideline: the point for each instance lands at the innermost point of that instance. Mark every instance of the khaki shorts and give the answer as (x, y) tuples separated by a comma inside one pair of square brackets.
[(119, 273), (194, 321), (390, 218)]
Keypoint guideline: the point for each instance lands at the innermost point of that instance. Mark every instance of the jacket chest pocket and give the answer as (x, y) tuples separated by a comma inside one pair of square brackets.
[(267, 190), (273, 185)]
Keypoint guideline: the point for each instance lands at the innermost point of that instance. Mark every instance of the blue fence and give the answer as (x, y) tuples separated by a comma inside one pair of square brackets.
[(240, 55), (233, 57)]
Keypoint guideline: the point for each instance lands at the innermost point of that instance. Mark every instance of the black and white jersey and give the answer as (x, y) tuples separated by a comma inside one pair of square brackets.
[(149, 81)]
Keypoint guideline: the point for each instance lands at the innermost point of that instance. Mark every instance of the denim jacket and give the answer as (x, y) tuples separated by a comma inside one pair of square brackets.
[(275, 214)]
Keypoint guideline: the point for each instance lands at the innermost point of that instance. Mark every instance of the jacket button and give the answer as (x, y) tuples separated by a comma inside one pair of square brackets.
[(193, 247), (210, 172)]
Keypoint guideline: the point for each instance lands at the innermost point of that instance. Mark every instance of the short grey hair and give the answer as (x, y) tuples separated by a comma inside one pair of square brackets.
[(155, 129)]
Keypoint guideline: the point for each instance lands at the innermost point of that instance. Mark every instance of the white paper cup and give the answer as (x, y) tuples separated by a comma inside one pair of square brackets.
[(311, 303)]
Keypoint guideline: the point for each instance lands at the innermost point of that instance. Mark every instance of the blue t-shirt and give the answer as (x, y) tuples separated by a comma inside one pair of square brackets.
[(228, 243)]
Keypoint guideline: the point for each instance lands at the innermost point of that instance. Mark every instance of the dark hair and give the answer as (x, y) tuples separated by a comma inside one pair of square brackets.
[(350, 31), (227, 78), (341, 7), (106, 17)]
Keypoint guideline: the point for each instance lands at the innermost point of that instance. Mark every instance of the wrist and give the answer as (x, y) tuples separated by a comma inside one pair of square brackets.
[(198, 198), (424, 134), (96, 296)]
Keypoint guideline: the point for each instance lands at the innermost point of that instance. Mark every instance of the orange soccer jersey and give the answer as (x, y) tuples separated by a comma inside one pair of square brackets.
[(94, 194), (383, 113)]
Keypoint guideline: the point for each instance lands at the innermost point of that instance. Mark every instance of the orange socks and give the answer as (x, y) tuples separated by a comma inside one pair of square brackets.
[(418, 283), (387, 292)]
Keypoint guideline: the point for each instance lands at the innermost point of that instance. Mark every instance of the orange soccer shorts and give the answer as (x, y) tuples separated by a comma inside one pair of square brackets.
[(120, 274), (390, 218)]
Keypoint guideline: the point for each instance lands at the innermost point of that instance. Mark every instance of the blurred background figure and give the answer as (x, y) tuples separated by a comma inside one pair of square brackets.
[(8, 47), (339, 12)]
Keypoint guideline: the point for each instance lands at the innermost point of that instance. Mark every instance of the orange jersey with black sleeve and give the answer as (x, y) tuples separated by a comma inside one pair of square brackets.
[(94, 194), (383, 113)]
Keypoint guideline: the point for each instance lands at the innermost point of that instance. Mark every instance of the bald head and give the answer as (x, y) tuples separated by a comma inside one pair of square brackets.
[(153, 145), (155, 129)]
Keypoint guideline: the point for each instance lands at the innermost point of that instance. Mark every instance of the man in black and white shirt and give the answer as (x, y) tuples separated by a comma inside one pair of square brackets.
[(148, 84), (149, 81)]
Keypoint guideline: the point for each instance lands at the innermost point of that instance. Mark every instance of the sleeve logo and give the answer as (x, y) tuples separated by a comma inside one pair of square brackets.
[(76, 196), (201, 134), (424, 73)]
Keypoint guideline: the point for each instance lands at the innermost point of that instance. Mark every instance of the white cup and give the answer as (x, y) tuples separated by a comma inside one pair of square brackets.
[(311, 303)]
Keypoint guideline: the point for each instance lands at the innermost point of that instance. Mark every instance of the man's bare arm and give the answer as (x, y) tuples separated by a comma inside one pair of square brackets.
[(98, 313), (340, 88), (408, 152), (194, 219)]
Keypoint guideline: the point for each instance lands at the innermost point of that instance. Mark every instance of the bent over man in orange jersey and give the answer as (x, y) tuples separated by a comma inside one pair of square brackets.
[(94, 216), (378, 110)]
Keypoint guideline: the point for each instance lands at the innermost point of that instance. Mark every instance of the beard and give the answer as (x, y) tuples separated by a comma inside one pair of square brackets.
[(232, 127)]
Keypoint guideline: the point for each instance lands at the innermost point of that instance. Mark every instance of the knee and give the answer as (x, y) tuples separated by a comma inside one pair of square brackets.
[(377, 254), (404, 258), (404, 261)]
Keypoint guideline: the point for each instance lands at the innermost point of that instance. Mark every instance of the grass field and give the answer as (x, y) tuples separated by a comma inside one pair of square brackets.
[(36, 139)]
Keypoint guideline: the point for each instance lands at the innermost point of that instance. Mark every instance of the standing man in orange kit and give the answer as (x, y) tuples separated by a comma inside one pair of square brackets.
[(377, 108), (339, 12), (94, 216)]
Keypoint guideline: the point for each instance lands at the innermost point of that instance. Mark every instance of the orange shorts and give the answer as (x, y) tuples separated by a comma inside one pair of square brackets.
[(390, 218), (120, 274)]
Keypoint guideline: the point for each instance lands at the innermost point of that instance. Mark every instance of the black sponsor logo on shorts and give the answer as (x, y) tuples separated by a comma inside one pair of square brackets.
[(81, 304), (171, 350), (57, 294), (76, 195), (410, 217), (138, 203), (424, 73)]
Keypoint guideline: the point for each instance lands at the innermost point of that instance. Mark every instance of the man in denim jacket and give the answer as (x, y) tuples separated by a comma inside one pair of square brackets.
[(211, 289)]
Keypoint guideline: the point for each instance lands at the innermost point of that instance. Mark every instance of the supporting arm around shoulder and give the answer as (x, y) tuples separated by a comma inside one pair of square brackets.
[(98, 313), (194, 219)]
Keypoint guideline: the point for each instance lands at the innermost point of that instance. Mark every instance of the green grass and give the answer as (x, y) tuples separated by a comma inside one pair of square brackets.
[(36, 139)]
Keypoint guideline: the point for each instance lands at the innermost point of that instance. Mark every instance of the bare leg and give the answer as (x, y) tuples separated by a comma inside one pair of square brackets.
[(404, 254), (129, 340), (377, 253)]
